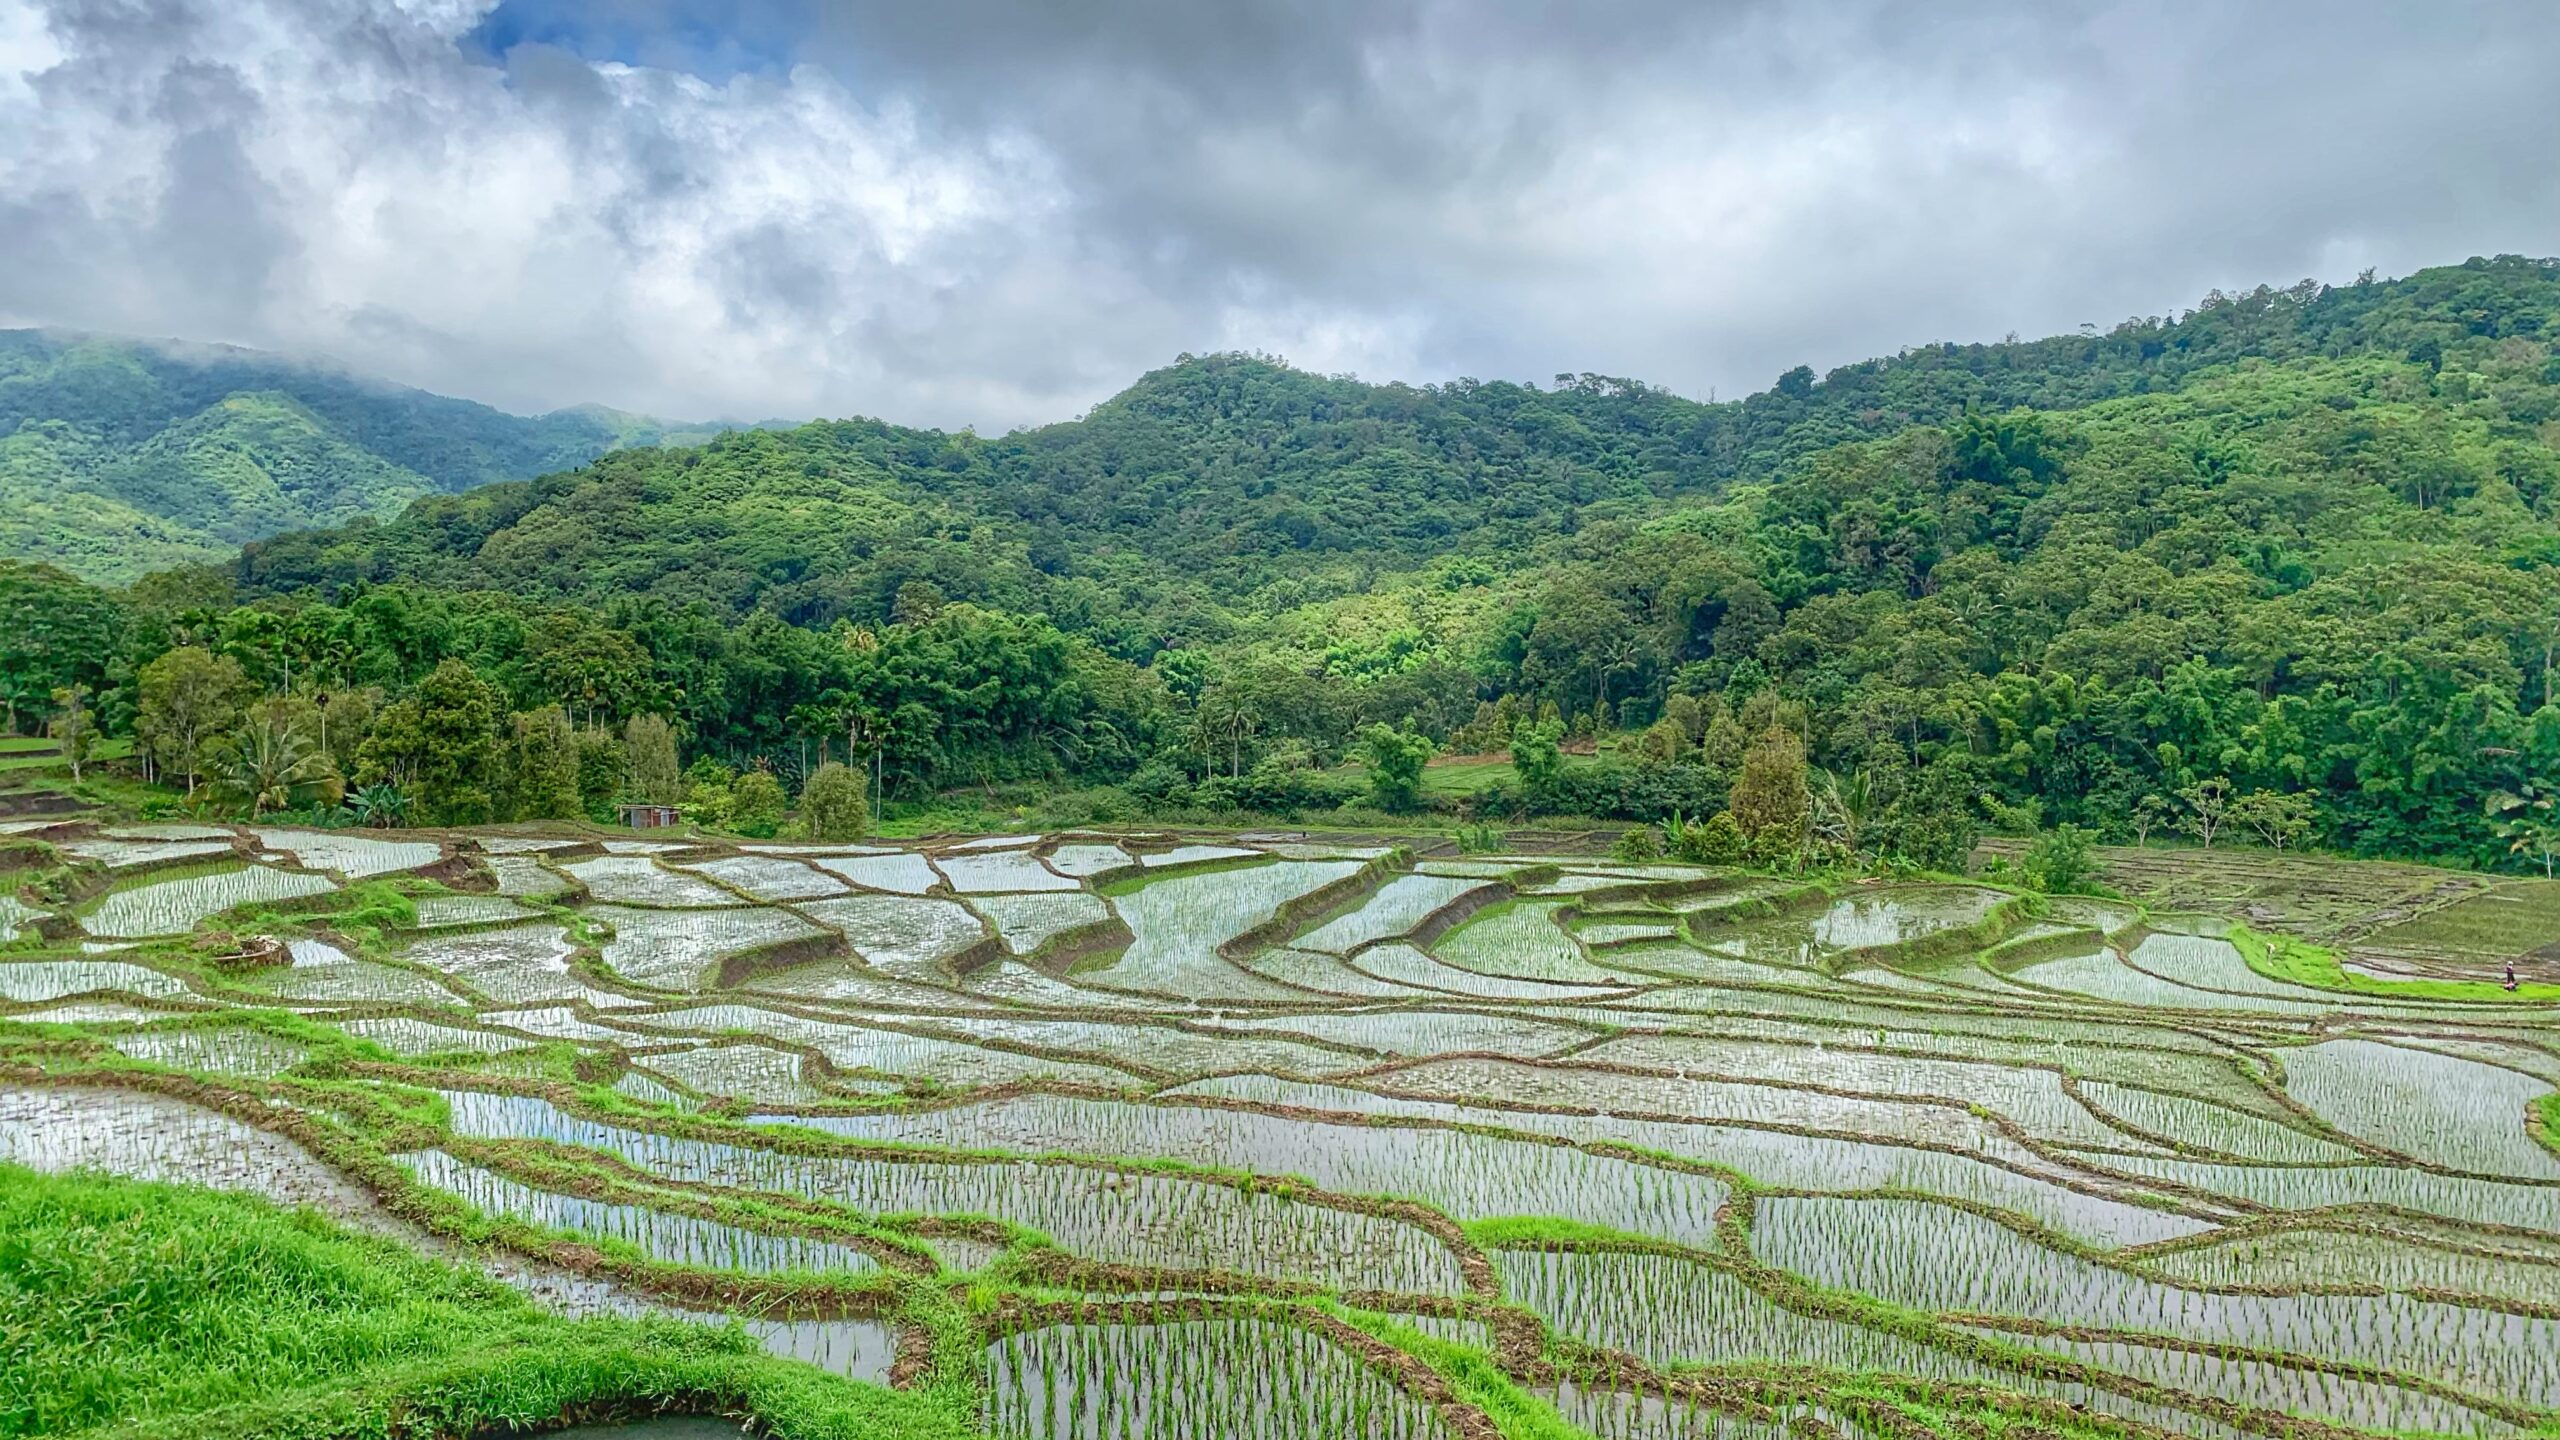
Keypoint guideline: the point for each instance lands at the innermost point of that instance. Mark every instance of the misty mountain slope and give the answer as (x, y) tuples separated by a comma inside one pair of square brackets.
[(119, 457)]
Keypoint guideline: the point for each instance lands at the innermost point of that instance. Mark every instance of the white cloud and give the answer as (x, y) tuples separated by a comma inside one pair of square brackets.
[(999, 211)]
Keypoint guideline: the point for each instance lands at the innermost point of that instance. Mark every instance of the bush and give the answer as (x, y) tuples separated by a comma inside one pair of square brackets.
[(2060, 862), (755, 804), (833, 806), (1641, 843), (1718, 841), (1396, 760)]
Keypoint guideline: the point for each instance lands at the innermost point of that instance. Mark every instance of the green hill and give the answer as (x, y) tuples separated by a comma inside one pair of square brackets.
[(2297, 550), (119, 457)]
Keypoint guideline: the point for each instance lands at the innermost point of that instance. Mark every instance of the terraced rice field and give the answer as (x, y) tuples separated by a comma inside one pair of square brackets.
[(1250, 1137)]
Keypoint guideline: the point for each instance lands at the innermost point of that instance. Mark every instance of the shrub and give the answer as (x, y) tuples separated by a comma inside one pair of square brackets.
[(1641, 843), (832, 805), (755, 804)]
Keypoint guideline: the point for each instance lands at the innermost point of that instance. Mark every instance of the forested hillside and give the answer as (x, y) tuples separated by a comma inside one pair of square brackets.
[(119, 457), (2288, 564)]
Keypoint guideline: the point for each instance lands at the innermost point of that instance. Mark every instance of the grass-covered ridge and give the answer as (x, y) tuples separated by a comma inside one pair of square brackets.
[(146, 1310)]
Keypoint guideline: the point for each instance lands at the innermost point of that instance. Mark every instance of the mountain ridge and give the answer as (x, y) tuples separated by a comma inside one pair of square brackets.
[(120, 455)]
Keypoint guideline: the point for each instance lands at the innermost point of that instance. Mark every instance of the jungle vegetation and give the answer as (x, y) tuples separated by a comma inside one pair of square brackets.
[(2279, 568)]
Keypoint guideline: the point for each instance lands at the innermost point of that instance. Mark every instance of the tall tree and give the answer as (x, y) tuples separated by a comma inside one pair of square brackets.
[(440, 743), (190, 697), (649, 748)]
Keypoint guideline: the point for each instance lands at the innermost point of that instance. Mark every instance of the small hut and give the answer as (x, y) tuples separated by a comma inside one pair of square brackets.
[(647, 817)]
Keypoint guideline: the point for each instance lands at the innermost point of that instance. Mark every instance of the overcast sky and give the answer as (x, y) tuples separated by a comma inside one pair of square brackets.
[(996, 212)]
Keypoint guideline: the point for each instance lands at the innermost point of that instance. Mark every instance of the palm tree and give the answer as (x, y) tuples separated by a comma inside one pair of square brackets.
[(1842, 807), (274, 765)]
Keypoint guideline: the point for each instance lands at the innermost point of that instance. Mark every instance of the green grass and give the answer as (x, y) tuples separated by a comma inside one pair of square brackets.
[(1453, 778), (2298, 962), (2507, 920), (22, 753), (147, 1310)]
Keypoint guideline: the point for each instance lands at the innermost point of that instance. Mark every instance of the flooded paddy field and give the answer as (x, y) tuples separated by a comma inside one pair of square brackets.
[(1137, 1135)]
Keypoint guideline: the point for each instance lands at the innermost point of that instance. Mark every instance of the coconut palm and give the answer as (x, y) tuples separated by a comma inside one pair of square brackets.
[(273, 764)]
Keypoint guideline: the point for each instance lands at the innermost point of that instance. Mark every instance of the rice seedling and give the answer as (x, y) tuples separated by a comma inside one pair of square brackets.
[(2265, 1385), (409, 1037), (158, 830), (220, 1050), (886, 1052), (1196, 855), (517, 965), (770, 878), (910, 938), (439, 912), (1405, 965), (522, 844), (2035, 1099), (143, 1136), (2071, 1155), (1117, 1217), (1670, 1310), (2307, 1258), (1225, 1379), (1393, 911), (2453, 1197), (1522, 941), (1007, 871), (1467, 1176), (357, 857), (1080, 861), (857, 1349), (750, 1072), (1180, 921), (1416, 1032), (639, 880), (2457, 1113), (1770, 1157), (124, 854), (675, 1239), (898, 873), (1930, 1258), (682, 949), (176, 906), (29, 981), (1325, 975), (2207, 1126), (526, 878)]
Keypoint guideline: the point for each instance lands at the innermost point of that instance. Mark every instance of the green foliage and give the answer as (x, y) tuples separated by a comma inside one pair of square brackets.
[(158, 1310), (188, 699), (275, 761), (833, 806), (756, 804), (539, 768), (1639, 843), (1538, 757), (2255, 550), (1772, 801), (649, 749), (1718, 840), (440, 743), (1396, 760), (2061, 861), (118, 458)]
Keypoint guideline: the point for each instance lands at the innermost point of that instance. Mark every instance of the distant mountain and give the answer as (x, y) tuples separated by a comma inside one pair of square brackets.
[(1229, 485), (119, 457)]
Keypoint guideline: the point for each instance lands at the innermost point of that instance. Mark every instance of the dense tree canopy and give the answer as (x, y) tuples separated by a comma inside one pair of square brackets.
[(2298, 544)]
